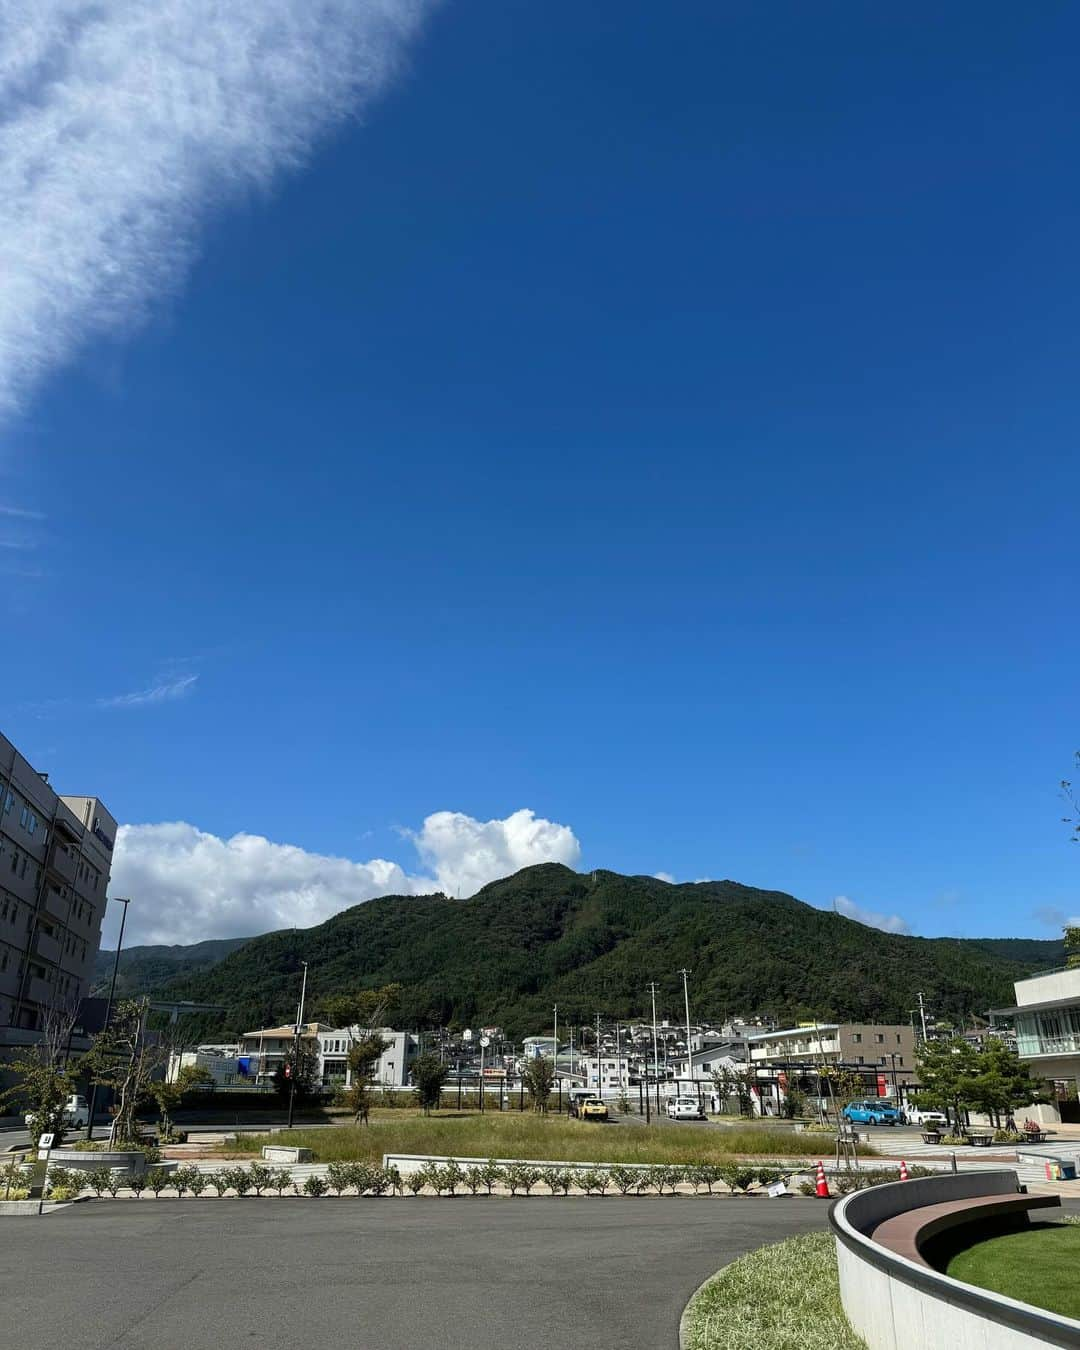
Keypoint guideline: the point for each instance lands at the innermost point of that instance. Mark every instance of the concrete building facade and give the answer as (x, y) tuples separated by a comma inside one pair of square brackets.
[(1047, 1022), (261, 1053), (55, 860), (884, 1048)]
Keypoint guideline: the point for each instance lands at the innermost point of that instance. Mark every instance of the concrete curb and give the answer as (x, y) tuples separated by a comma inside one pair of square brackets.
[(684, 1320)]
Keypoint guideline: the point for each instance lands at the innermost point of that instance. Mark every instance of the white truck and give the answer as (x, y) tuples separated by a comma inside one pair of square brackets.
[(76, 1113)]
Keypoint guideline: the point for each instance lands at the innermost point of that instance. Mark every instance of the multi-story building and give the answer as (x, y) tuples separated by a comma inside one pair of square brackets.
[(1047, 1022), (55, 859), (886, 1049), (262, 1052)]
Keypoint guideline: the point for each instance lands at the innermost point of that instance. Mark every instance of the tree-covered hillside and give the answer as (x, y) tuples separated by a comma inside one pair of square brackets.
[(145, 968), (593, 941)]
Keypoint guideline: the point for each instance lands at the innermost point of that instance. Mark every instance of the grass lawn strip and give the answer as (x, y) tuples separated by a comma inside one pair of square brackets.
[(1038, 1265), (783, 1297), (515, 1135)]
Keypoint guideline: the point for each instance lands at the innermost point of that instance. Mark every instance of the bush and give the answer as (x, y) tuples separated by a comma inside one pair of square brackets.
[(493, 1174), (99, 1180), (379, 1180), (197, 1182), (512, 1175), (221, 1180), (623, 1179), (65, 1183), (314, 1185), (591, 1181), (342, 1176), (738, 1176), (239, 1180), (529, 1177), (260, 1177), (416, 1180), (157, 1179), (136, 1183), (451, 1177), (282, 1180), (474, 1179), (669, 1177), (645, 1179), (180, 1179)]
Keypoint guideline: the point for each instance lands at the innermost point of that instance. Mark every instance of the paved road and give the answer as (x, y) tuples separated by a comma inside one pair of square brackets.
[(457, 1274)]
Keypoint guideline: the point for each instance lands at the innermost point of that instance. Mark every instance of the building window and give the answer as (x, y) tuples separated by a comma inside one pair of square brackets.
[(879, 1038), (856, 1036), (859, 1059)]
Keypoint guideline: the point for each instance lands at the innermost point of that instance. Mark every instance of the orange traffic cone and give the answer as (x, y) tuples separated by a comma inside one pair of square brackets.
[(822, 1185), (903, 1170)]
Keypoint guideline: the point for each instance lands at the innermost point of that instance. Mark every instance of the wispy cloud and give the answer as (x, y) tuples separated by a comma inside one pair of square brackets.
[(888, 923), (21, 513), (124, 122), (162, 691)]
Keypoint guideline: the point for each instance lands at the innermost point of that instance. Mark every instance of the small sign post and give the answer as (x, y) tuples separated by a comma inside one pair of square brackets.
[(46, 1143)]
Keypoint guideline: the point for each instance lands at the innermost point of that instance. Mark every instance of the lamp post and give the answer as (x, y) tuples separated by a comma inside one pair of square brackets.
[(555, 1048), (120, 900), (686, 1000), (296, 1045)]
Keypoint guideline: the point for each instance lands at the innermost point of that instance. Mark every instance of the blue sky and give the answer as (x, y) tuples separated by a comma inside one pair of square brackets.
[(661, 420)]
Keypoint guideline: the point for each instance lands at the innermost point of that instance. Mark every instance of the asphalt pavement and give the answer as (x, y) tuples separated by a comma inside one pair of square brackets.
[(457, 1274)]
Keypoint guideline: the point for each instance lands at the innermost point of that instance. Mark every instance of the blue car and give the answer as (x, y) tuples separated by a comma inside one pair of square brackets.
[(872, 1112)]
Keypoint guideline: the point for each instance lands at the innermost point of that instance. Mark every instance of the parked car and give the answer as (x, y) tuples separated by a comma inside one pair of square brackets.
[(76, 1113), (918, 1115), (592, 1108), (871, 1112), (685, 1108)]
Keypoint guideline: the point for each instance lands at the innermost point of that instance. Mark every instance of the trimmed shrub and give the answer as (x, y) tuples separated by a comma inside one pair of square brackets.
[(474, 1179), (282, 1180), (221, 1180), (261, 1177), (493, 1174), (451, 1177), (136, 1184), (623, 1179), (415, 1181), (197, 1182), (239, 1180), (592, 1181), (379, 1180), (315, 1185), (98, 1180), (157, 1179), (342, 1176)]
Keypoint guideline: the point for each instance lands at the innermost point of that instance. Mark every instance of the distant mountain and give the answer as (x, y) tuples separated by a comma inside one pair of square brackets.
[(592, 942), (143, 969)]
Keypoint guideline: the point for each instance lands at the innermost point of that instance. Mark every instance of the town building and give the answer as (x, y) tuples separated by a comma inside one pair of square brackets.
[(1047, 1023), (261, 1053), (888, 1050), (55, 860)]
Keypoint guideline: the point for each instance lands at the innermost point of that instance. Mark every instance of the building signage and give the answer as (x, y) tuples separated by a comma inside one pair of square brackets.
[(100, 834)]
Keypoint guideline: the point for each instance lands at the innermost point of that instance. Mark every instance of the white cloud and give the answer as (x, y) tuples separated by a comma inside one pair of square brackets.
[(124, 122), (21, 513), (665, 876), (164, 690), (889, 923), (187, 884)]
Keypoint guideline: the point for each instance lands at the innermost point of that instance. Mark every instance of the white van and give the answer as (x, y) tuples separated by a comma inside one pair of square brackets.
[(685, 1108)]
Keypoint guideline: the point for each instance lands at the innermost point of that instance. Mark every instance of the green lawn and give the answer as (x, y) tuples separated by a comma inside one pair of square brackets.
[(784, 1297), (1036, 1265), (524, 1135)]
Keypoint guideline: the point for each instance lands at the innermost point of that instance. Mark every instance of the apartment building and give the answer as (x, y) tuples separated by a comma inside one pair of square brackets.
[(883, 1047), (1047, 1020), (55, 858), (263, 1052)]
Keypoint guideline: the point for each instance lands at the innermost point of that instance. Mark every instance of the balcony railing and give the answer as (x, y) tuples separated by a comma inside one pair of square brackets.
[(1048, 1045)]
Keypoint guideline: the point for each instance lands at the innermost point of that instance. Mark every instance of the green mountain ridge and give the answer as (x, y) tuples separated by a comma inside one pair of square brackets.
[(143, 969), (592, 942)]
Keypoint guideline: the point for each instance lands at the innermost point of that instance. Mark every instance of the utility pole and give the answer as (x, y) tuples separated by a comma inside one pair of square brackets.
[(296, 1045), (599, 1074), (655, 1050), (922, 1015), (686, 1000), (571, 1054), (555, 1047)]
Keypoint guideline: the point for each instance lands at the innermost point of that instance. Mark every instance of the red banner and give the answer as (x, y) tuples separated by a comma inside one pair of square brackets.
[(882, 1085)]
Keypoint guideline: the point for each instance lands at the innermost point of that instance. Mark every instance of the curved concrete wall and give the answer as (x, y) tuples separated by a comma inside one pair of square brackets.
[(895, 1304)]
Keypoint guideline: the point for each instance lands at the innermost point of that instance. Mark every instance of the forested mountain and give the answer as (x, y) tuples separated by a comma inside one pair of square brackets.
[(591, 942), (145, 968)]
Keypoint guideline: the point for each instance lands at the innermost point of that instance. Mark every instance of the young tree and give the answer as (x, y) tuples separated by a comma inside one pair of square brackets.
[(123, 1057), (360, 1014), (43, 1073), (428, 1076), (538, 1079), (168, 1096)]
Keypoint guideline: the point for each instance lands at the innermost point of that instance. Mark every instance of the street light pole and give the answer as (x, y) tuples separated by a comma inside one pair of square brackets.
[(296, 1045), (120, 900), (555, 1049), (599, 1074), (686, 1000)]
